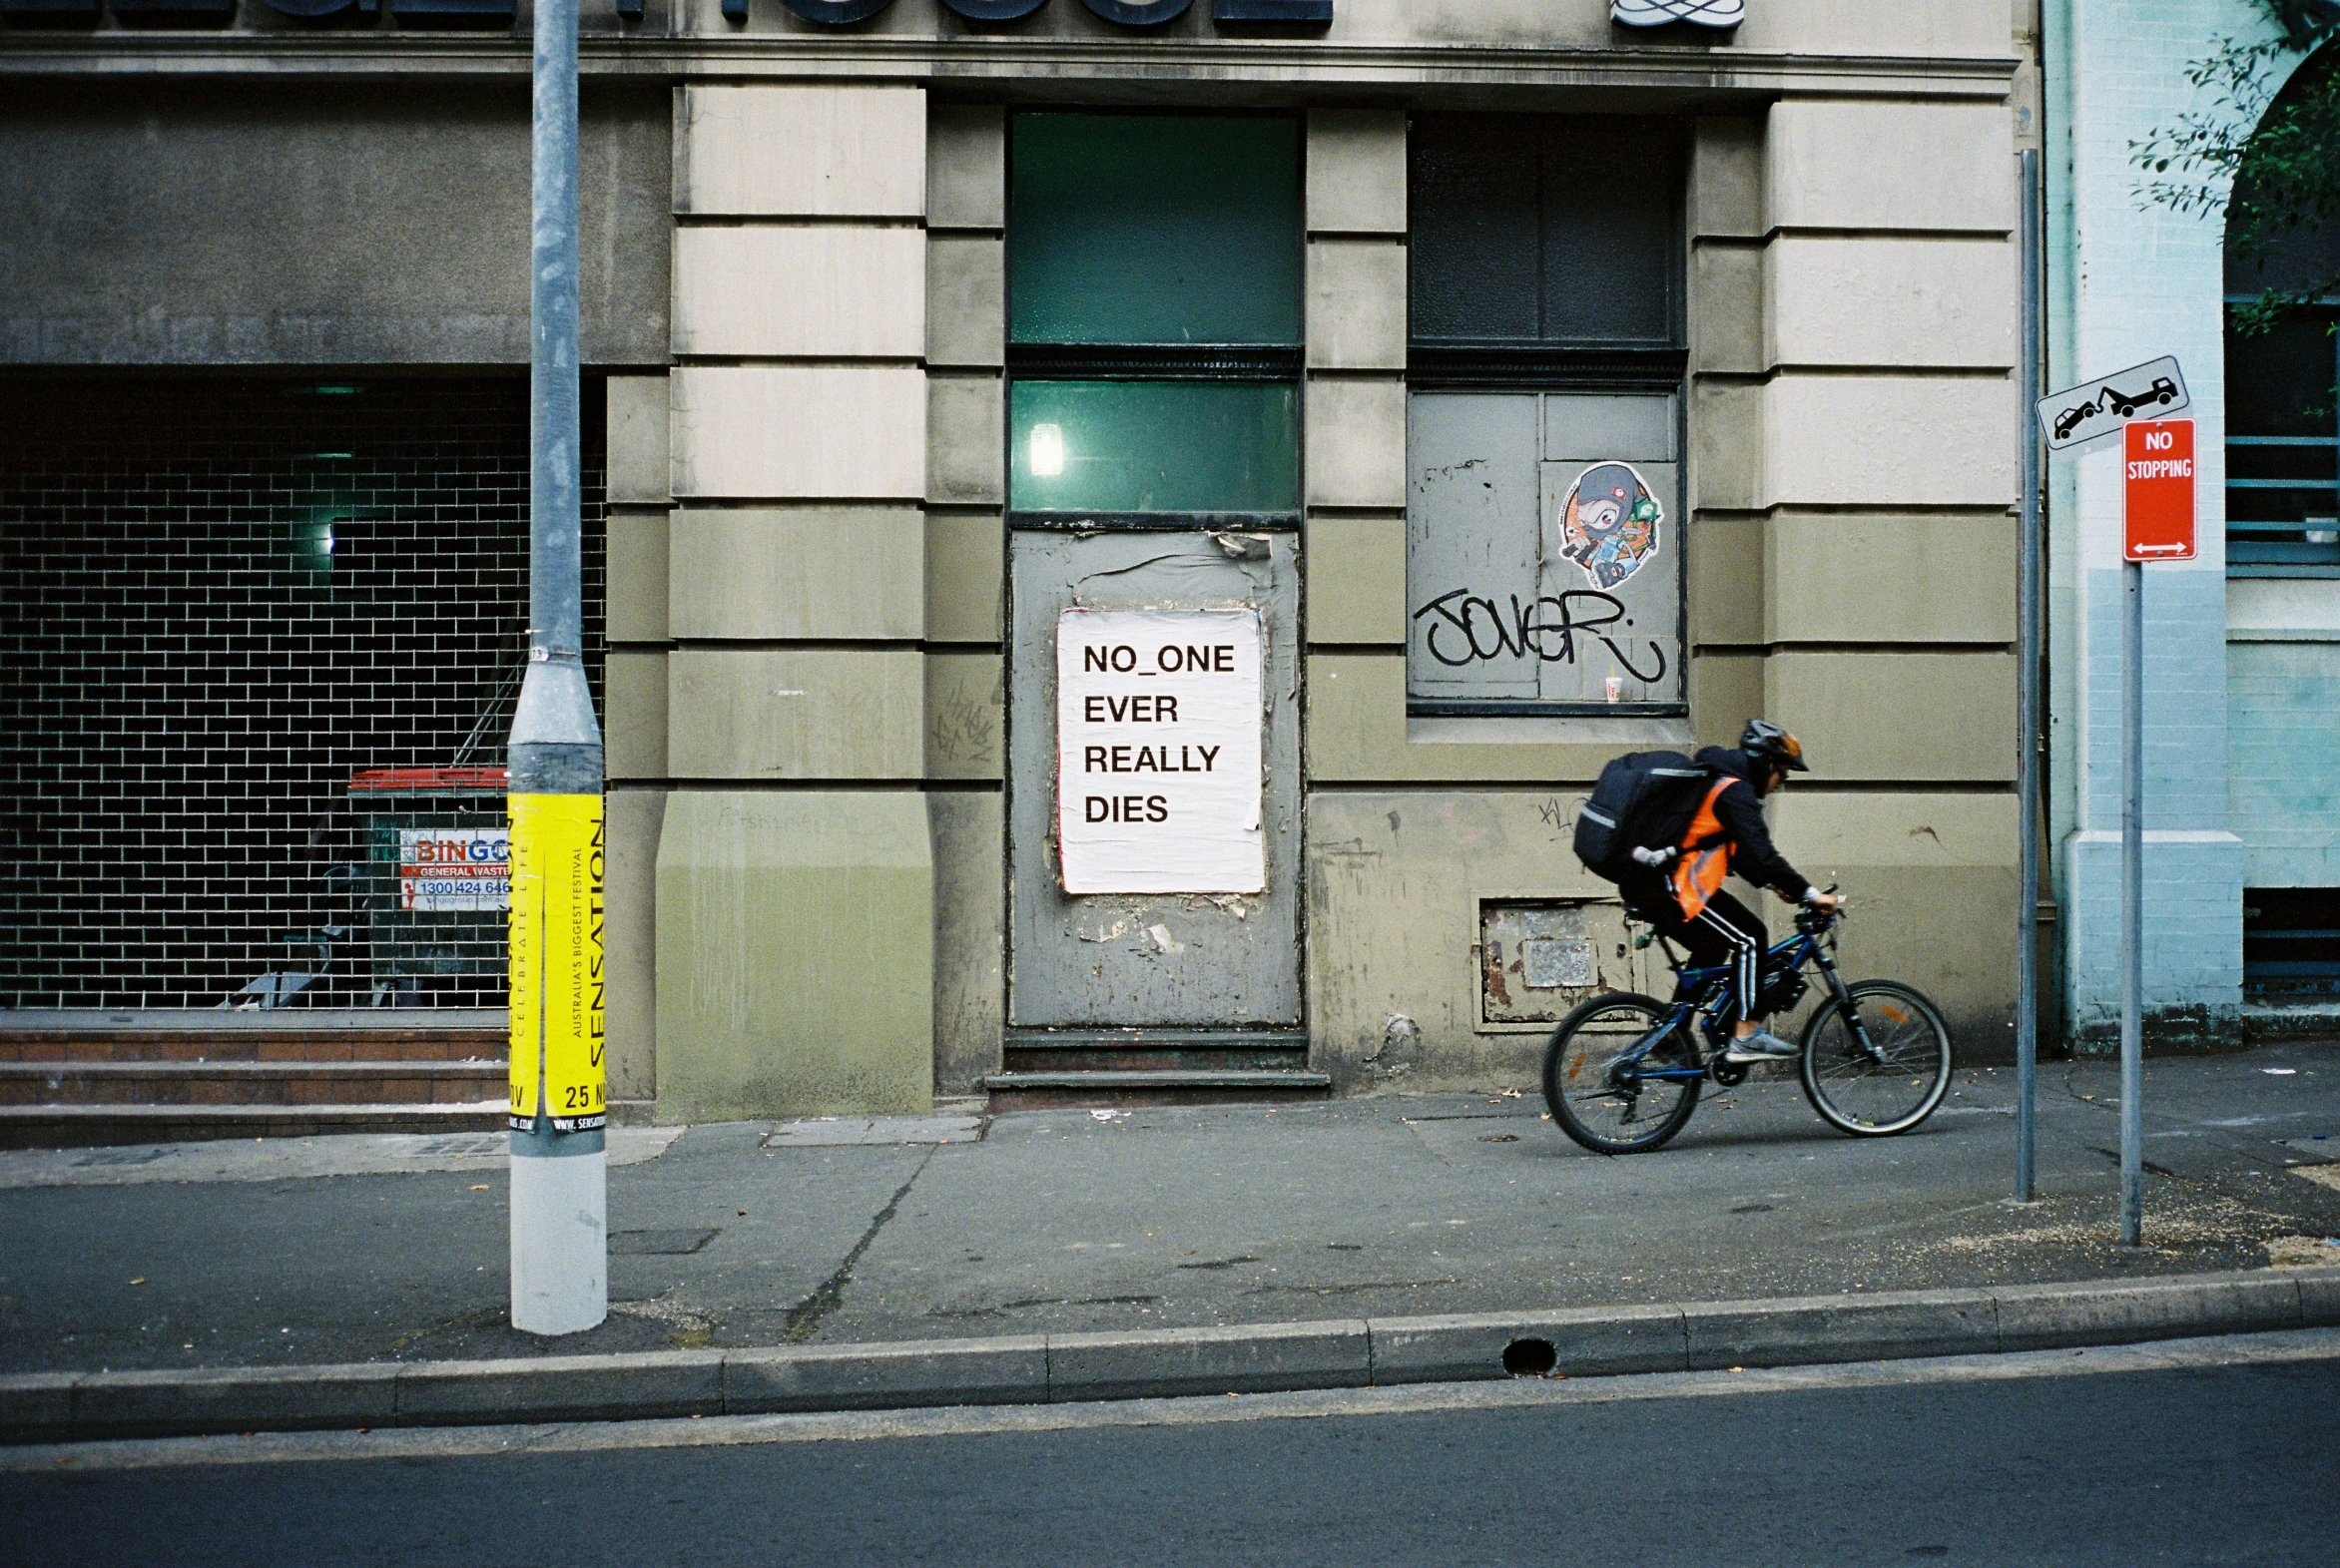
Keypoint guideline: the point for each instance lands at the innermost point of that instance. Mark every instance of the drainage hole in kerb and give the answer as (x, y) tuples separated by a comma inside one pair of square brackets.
[(1530, 1357)]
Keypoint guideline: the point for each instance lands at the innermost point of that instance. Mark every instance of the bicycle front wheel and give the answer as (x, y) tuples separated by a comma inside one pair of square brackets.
[(1600, 1094), (1888, 1075)]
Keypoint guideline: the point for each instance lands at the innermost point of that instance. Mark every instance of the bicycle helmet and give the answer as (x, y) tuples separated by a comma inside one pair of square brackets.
[(1768, 746)]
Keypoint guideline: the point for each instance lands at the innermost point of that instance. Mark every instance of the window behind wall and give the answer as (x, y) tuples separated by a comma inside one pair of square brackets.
[(1545, 528), (2282, 405)]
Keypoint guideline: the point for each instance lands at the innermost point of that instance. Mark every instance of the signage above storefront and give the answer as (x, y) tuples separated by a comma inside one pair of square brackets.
[(1659, 13), (1129, 13)]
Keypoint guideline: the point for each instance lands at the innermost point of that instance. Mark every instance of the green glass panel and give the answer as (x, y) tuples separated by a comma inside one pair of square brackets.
[(1155, 446), (1154, 228)]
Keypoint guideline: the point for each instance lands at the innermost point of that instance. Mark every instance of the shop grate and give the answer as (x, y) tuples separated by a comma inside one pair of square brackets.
[(260, 634)]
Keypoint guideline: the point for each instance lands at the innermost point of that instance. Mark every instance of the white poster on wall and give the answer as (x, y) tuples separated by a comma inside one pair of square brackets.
[(1158, 730)]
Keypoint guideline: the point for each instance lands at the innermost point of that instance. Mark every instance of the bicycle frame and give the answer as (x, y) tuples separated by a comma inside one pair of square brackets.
[(1705, 994)]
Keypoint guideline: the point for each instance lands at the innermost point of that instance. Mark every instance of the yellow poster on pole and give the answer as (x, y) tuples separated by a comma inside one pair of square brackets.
[(556, 960)]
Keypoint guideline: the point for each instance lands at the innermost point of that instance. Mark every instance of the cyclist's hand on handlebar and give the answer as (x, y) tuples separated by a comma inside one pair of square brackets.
[(1826, 903)]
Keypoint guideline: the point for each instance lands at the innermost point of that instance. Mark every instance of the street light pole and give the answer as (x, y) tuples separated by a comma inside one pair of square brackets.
[(559, 1258)]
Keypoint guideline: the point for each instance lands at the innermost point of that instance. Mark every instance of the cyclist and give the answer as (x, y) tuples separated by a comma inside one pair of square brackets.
[(1678, 890)]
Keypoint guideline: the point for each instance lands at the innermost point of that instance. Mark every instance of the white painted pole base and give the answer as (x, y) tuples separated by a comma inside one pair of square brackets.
[(560, 1213)]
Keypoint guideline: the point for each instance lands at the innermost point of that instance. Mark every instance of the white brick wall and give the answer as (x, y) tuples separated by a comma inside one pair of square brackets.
[(2128, 283)]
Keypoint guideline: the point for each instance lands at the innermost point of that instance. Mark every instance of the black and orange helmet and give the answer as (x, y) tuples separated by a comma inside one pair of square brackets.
[(1768, 746)]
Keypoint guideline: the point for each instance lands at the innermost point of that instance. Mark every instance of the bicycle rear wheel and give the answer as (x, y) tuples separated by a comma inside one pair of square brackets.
[(1601, 1101), (1892, 1083)]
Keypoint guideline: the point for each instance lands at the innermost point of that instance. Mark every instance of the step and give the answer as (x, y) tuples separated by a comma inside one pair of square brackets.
[(273, 1043), (1154, 1050), (70, 1083), (1152, 1059), (81, 1125), (1184, 1086)]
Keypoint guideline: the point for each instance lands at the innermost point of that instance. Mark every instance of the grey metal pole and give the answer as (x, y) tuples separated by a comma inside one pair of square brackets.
[(559, 1248), (2132, 900), (2029, 653)]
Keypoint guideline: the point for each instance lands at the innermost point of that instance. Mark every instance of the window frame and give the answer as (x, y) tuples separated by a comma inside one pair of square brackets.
[(1253, 363), (1616, 366), (2250, 532)]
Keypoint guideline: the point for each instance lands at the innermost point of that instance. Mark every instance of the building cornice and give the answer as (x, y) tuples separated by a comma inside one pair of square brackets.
[(1301, 68)]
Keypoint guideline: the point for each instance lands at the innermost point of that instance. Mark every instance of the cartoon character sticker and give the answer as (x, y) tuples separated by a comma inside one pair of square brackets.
[(1610, 523)]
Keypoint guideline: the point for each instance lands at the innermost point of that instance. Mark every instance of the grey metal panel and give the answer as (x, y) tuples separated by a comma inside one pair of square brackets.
[(1471, 542), (1581, 424), (1159, 960)]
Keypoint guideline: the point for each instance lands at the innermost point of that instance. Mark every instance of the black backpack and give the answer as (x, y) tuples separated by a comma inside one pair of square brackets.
[(1642, 800)]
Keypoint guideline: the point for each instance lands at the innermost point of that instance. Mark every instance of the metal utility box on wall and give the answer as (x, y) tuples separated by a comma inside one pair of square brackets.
[(1540, 957)]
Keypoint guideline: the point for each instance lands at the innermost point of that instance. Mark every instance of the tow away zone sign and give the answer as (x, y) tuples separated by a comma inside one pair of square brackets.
[(2084, 413)]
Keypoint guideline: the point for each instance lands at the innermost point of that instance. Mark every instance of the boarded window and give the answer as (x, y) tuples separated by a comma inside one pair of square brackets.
[(1545, 526), (1544, 550)]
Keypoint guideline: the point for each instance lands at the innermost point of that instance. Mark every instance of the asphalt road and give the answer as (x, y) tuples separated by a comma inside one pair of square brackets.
[(2218, 1451)]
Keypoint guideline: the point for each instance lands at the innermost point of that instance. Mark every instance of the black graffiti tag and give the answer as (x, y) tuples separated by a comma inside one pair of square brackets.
[(1530, 630)]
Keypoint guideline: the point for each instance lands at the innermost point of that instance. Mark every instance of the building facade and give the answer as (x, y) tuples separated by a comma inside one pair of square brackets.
[(2242, 647), (1119, 533)]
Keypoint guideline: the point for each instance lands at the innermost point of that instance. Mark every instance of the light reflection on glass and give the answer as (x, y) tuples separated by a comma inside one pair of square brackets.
[(1047, 451)]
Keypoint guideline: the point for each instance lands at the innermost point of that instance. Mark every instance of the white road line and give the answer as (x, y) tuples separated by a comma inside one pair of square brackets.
[(2306, 1344)]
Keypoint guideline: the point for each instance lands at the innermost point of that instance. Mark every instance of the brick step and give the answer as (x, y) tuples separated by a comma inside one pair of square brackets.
[(259, 1045), (1027, 1091), (270, 1084), (1160, 1059), (84, 1126)]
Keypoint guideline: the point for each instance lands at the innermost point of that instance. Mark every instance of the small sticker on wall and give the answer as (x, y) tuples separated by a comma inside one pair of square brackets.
[(1610, 523)]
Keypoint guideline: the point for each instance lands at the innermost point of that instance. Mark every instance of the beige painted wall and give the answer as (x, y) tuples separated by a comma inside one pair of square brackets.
[(795, 925), (796, 940)]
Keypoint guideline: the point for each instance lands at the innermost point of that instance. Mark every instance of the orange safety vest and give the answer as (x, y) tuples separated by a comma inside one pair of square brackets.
[(1706, 856)]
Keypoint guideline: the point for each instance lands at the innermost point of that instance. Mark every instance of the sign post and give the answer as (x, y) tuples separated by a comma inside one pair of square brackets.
[(2027, 572), (2157, 524)]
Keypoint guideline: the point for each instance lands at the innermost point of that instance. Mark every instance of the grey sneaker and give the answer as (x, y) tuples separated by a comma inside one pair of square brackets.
[(1761, 1046)]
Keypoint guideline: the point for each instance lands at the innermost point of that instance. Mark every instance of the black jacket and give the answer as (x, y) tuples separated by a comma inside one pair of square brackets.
[(1740, 811)]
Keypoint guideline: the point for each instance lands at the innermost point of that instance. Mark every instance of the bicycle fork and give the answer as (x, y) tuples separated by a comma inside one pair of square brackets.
[(1852, 1019)]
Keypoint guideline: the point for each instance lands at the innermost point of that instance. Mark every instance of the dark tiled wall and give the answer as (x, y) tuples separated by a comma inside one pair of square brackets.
[(192, 674)]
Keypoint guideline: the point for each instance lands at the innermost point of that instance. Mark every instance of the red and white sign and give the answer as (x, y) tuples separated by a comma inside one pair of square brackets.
[(2157, 488), (443, 869)]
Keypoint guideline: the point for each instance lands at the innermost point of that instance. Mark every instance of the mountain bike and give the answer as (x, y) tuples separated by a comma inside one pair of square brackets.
[(1623, 1070)]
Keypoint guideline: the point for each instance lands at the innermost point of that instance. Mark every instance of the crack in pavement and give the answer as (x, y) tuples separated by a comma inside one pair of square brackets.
[(804, 1318)]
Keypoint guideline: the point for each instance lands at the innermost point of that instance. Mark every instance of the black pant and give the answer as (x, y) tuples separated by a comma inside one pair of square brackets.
[(1725, 932)]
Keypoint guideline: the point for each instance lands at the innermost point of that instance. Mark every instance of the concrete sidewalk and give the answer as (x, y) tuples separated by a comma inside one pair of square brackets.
[(1069, 1223)]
